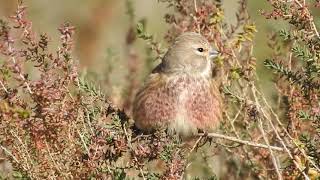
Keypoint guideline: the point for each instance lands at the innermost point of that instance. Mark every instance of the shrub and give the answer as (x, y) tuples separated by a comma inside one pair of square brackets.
[(57, 124)]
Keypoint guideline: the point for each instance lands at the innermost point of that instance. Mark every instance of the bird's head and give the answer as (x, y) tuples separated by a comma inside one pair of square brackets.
[(190, 53)]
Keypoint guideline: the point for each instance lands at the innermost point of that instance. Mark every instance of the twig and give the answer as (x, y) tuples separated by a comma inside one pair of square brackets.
[(24, 148), (311, 18), (3, 87), (131, 148), (277, 134), (51, 157), (83, 142), (245, 142), (10, 154), (88, 122), (290, 137), (11, 51), (195, 6), (297, 2), (314, 28), (274, 161), (195, 144)]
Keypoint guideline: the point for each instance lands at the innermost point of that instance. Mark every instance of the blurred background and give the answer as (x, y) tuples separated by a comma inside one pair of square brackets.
[(102, 27), (103, 48)]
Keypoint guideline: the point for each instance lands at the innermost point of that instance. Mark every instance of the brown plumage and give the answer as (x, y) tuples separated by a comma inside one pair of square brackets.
[(180, 93)]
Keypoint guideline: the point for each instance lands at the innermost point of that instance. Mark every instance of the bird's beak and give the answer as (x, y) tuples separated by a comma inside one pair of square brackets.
[(213, 53)]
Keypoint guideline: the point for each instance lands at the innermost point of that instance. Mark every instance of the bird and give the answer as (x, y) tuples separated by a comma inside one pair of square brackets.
[(180, 93)]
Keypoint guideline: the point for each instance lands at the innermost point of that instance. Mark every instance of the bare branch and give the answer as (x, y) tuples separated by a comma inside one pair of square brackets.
[(244, 142)]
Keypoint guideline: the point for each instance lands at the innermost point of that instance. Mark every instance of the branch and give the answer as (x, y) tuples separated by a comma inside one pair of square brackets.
[(248, 143), (311, 19), (3, 87)]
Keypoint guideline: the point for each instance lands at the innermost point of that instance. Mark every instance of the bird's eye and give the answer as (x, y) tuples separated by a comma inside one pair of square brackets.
[(200, 49)]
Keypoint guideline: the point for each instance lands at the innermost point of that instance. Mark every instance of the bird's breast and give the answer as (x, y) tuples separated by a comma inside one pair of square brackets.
[(182, 103), (187, 91)]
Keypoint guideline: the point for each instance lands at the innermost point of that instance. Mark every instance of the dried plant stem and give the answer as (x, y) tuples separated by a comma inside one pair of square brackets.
[(244, 148), (195, 144), (51, 157), (83, 142), (24, 148), (10, 49), (88, 122), (11, 155), (248, 143), (297, 2), (3, 87), (287, 133), (315, 28), (275, 130), (274, 161), (131, 147), (311, 19), (195, 6)]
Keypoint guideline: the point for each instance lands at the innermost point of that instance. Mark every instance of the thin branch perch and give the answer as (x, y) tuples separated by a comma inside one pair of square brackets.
[(245, 142)]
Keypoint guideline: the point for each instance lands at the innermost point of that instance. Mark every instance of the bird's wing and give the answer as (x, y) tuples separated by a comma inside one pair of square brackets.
[(150, 104), (217, 98)]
